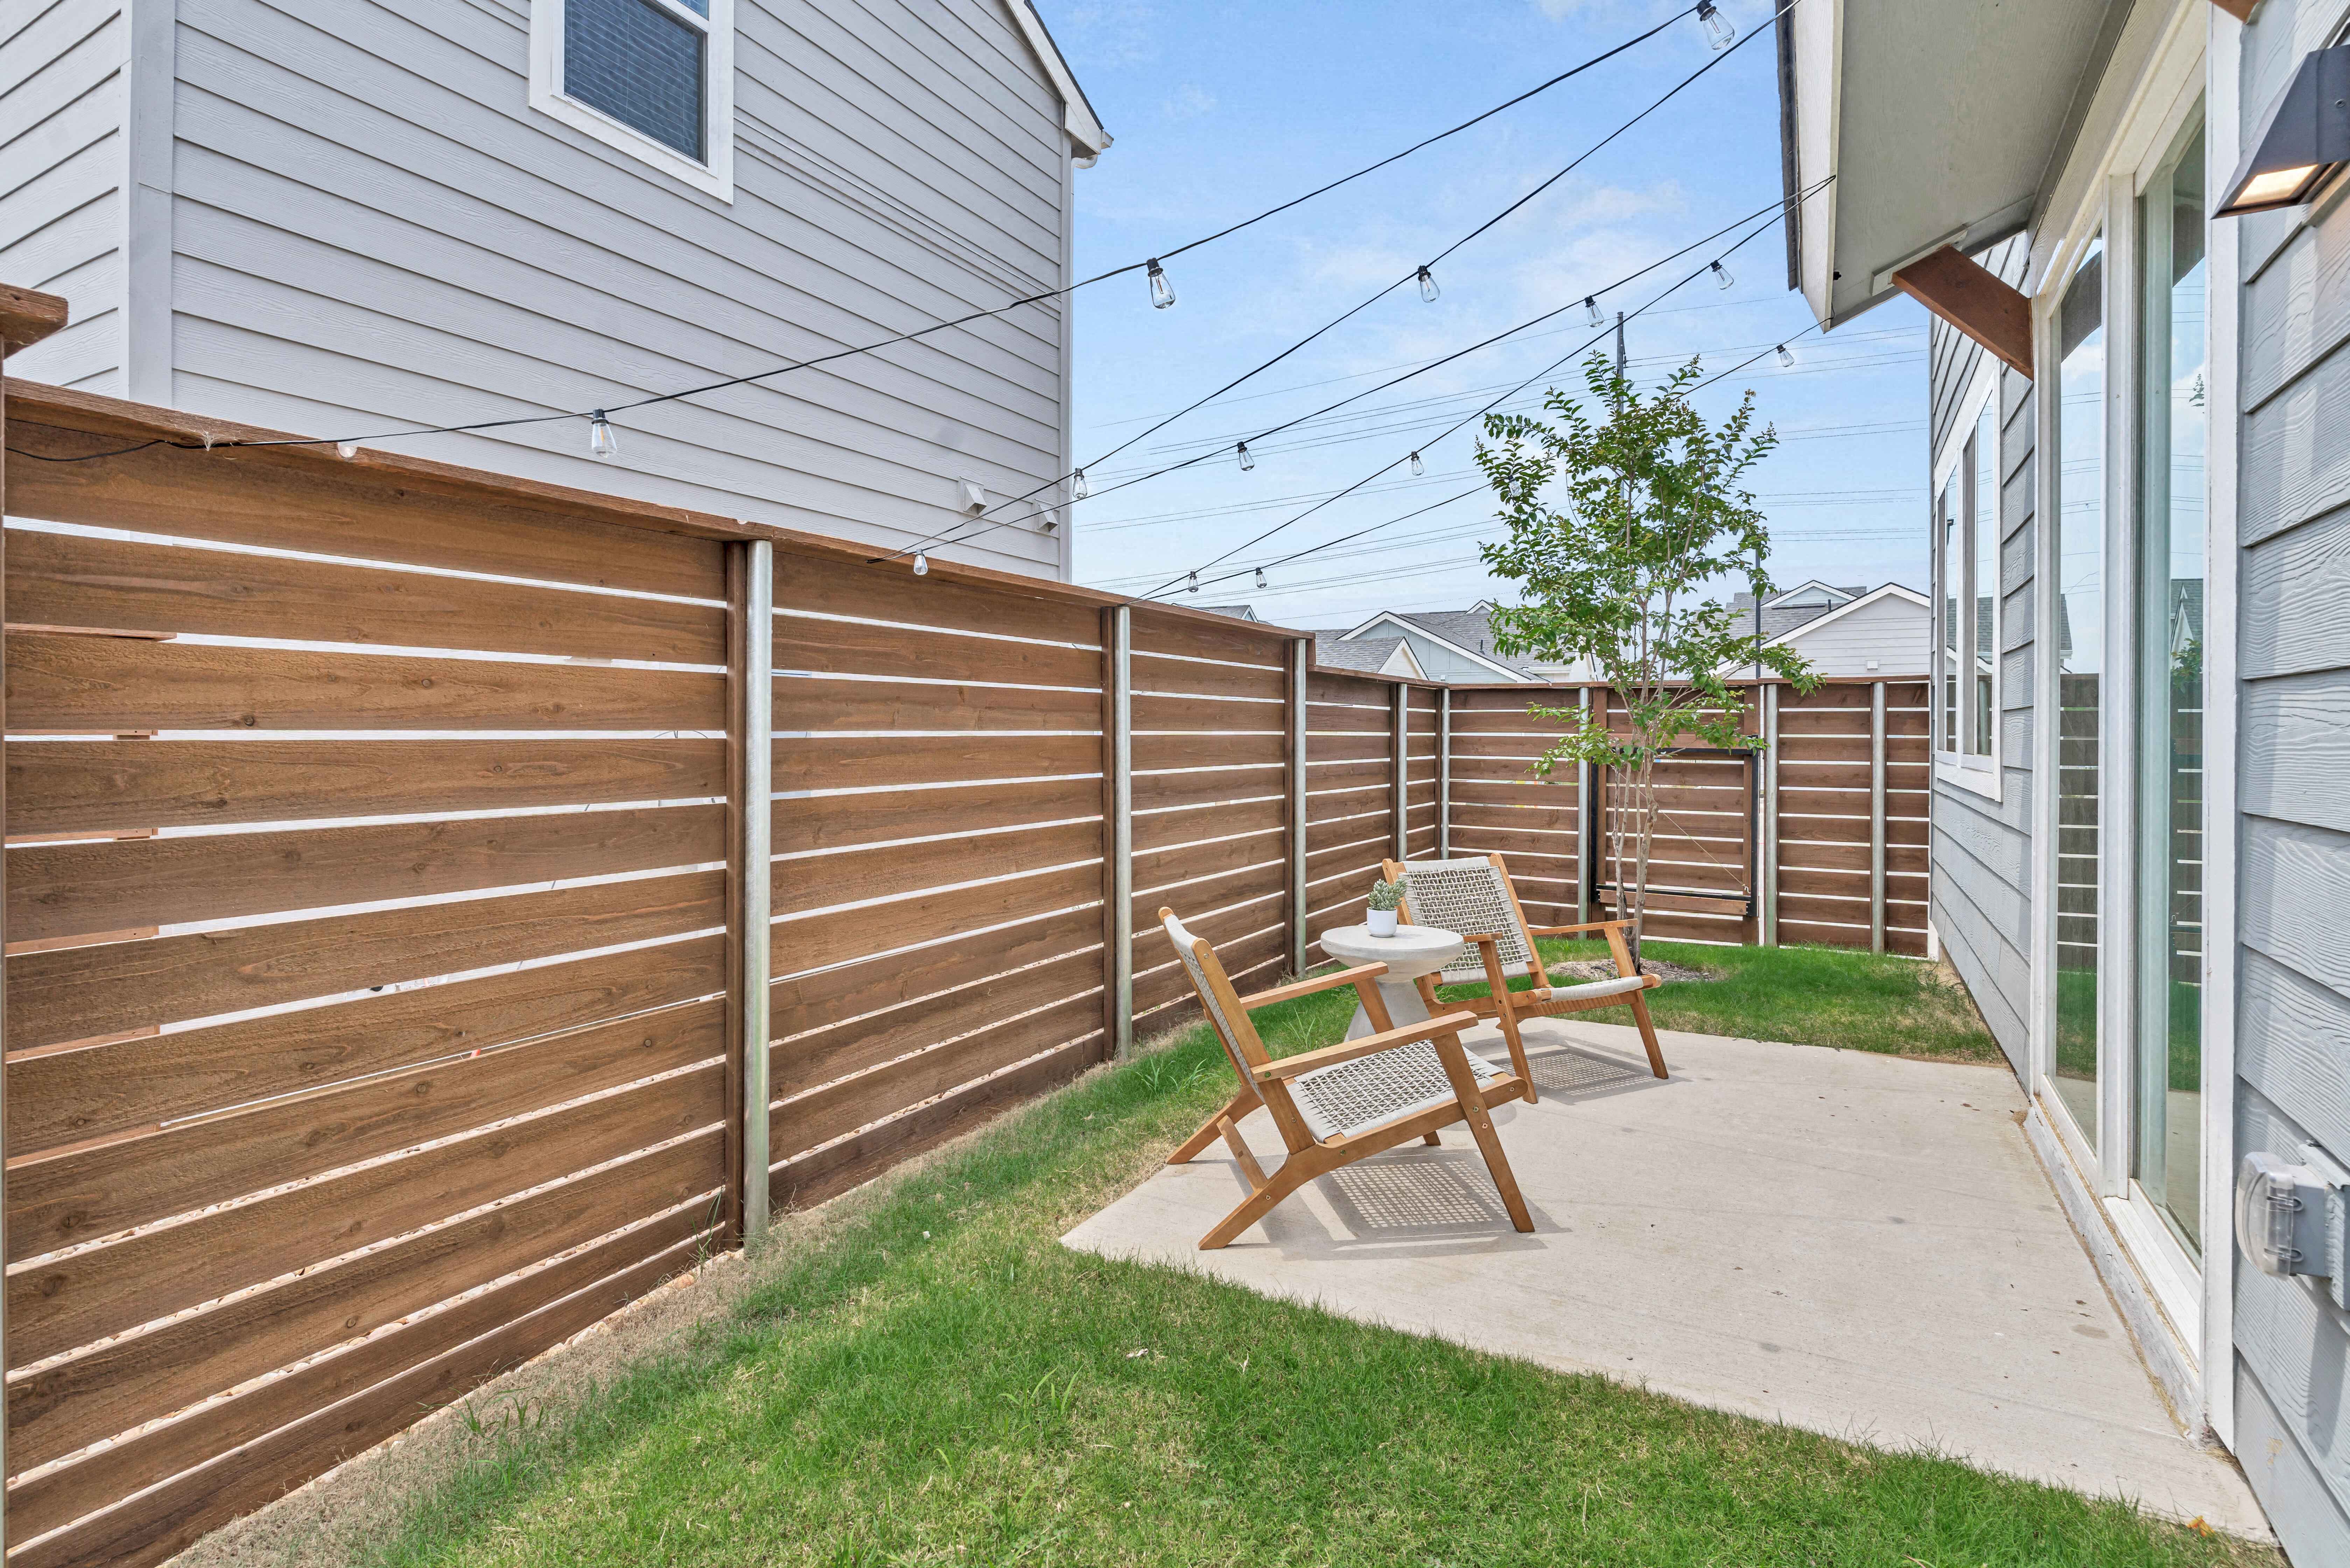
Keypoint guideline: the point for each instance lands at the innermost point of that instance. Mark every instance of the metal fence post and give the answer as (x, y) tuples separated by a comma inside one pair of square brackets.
[(1300, 653), (1876, 817), (750, 865), (1117, 829), (1402, 727), (1444, 773), (1587, 829), (1766, 858)]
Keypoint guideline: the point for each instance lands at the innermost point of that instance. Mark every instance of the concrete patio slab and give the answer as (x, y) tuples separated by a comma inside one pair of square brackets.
[(1848, 1243)]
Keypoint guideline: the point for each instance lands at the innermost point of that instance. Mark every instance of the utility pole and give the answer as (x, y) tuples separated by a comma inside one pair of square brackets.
[(1619, 342)]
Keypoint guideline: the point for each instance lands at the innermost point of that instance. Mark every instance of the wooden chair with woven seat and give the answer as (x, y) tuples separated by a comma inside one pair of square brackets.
[(1335, 1105), (1473, 895)]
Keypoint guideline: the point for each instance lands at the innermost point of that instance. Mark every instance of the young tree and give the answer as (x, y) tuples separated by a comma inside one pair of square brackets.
[(1616, 525)]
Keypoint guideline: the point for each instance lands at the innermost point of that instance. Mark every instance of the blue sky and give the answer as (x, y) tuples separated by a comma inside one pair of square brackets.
[(1220, 110)]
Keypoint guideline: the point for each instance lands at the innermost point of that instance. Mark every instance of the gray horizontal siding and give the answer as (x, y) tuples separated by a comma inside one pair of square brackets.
[(388, 233), (61, 109), (1981, 882), (2293, 1034)]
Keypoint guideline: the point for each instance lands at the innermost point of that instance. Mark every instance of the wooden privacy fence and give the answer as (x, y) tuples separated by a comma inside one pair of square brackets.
[(441, 907)]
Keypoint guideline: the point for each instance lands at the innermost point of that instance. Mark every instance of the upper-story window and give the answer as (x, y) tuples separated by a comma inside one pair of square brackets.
[(654, 78), (1967, 563)]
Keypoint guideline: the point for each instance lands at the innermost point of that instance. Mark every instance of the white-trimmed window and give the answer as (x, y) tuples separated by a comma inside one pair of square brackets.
[(654, 78), (1967, 597)]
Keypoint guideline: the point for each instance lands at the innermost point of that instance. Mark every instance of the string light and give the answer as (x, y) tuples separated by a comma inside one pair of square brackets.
[(1248, 459), (1162, 292), (1786, 357), (601, 441), (1722, 278), (1260, 579), (1418, 467), (1195, 583), (1427, 289), (922, 565), (1591, 311), (1078, 488), (347, 449), (1718, 30)]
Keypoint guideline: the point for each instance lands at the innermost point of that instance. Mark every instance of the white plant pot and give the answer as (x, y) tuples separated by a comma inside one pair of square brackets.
[(1382, 922)]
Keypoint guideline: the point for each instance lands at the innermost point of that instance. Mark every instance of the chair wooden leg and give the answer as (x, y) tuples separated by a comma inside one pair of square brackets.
[(1480, 1127), (1251, 1209), (1507, 1016), (1431, 1140), (1211, 1129), (1647, 1034)]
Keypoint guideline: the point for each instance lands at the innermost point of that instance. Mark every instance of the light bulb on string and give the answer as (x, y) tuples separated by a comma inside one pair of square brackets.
[(1418, 467), (1722, 278), (1591, 311), (1427, 289), (1786, 357), (922, 565), (1078, 488), (601, 441), (1162, 292), (1718, 30), (1248, 460), (1260, 579), (347, 449), (1193, 586)]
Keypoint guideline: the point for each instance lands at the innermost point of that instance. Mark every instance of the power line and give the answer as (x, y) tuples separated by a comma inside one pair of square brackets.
[(598, 418), (1711, 266), (952, 535)]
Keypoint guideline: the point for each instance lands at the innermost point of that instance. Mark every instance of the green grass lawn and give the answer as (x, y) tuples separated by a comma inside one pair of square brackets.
[(928, 1377)]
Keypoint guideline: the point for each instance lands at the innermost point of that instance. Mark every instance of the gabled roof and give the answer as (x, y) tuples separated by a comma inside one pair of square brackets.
[(1238, 612), (1465, 632), (1813, 620), (1077, 118), (1377, 655), (1779, 618)]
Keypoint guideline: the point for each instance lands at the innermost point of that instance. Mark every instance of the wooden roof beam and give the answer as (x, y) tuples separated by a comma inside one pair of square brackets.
[(28, 315), (2241, 10), (1971, 298)]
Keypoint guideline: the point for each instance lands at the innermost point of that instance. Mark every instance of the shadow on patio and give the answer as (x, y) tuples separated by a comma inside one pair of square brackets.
[(1849, 1242)]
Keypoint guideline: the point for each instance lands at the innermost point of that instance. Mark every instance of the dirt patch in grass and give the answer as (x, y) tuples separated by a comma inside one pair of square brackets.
[(1605, 969)]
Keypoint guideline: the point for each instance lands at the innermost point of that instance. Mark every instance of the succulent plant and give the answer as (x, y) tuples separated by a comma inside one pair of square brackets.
[(1387, 894)]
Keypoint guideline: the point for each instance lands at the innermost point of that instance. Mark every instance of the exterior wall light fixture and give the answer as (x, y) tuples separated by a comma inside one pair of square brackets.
[(2304, 139)]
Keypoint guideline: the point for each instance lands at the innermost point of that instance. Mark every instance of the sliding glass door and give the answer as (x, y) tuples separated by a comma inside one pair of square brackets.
[(2080, 555), (2173, 370)]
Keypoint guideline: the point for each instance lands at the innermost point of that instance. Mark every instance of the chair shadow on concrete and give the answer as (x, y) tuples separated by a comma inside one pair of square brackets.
[(1575, 1072), (1420, 1200)]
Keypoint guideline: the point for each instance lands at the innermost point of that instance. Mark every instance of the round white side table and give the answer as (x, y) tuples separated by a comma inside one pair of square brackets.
[(1412, 951)]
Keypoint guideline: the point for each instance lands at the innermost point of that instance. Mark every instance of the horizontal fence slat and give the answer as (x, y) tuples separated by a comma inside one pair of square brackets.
[(886, 593), (814, 941), (1162, 829), (284, 1432), (66, 787), (77, 580), (285, 500), (71, 890), (810, 1061), (76, 1095), (815, 703), (118, 1385), (58, 1305), (895, 870), (87, 685), (76, 994), (813, 1001), (1157, 632), (799, 1125), (846, 821), (1192, 750), (852, 761), (856, 647)]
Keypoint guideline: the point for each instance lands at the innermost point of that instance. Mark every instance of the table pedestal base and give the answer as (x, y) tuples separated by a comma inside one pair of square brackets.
[(1404, 1006)]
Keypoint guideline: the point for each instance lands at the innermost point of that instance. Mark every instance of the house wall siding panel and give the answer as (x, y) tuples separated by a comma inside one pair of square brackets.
[(2293, 1013), (61, 166)]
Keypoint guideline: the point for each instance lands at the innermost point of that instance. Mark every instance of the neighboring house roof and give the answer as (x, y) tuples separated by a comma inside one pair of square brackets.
[(1077, 117), (1789, 609), (1468, 633), (1813, 620), (1376, 655), (1238, 612)]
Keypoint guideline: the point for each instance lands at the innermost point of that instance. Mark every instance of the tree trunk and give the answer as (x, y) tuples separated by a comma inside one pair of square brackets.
[(1646, 797)]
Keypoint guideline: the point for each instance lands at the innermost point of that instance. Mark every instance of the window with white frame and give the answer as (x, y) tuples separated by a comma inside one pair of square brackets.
[(651, 77), (1967, 570)]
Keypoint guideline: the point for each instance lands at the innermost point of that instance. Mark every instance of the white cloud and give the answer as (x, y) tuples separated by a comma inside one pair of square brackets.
[(1114, 31), (1190, 101)]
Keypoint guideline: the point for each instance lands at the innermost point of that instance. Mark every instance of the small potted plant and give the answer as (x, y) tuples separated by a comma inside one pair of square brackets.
[(1386, 898)]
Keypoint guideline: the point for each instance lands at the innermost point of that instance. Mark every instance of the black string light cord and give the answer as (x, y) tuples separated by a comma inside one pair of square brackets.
[(964, 320), (949, 537), (1777, 216), (951, 534)]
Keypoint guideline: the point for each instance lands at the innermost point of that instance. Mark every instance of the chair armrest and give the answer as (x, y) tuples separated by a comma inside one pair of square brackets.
[(1312, 983), (1369, 1045), (1587, 926)]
